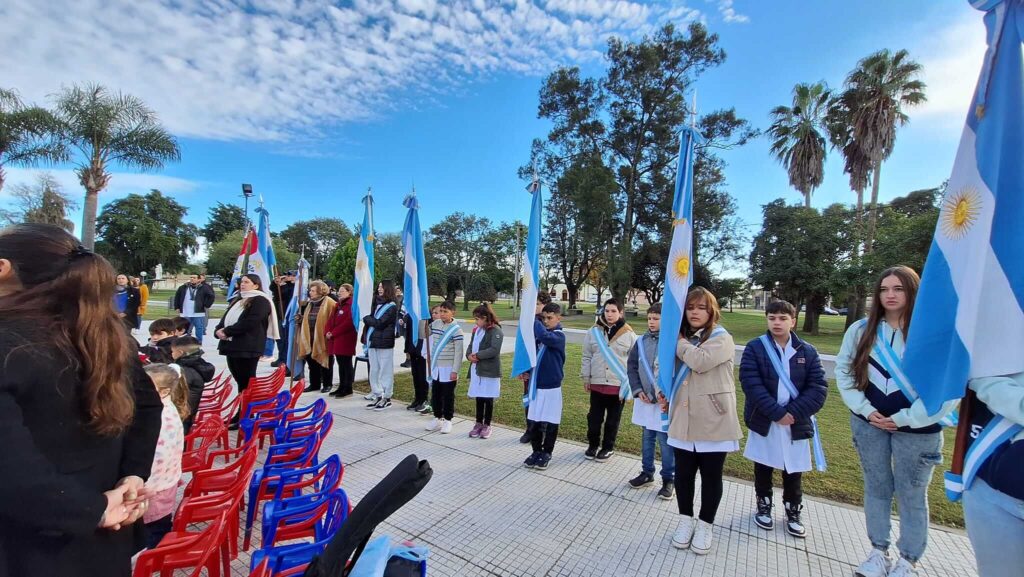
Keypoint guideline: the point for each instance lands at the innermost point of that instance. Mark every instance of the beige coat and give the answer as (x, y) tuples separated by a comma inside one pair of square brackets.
[(594, 368), (704, 408)]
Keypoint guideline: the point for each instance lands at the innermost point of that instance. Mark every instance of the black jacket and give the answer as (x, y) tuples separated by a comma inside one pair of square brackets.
[(203, 300), (383, 336), (416, 351), (282, 295), (131, 308), (54, 469), (249, 334), (197, 372)]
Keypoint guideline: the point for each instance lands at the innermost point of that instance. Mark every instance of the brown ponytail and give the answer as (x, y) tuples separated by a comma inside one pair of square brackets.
[(69, 291)]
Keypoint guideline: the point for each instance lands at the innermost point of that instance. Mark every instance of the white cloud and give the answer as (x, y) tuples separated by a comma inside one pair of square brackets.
[(729, 13), (277, 69), (121, 183), (952, 59)]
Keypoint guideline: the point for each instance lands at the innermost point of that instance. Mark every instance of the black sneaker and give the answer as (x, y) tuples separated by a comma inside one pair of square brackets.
[(590, 453), (327, 390), (405, 364), (276, 364), (382, 404), (415, 407), (641, 480), (531, 461), (763, 517), (668, 490), (603, 455), (309, 389), (542, 461), (426, 409), (793, 524), (527, 436), (372, 404)]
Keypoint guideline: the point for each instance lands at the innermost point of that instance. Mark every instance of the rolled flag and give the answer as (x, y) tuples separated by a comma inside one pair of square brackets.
[(525, 356), (364, 289), (248, 243), (415, 297), (678, 277), (257, 267), (266, 250), (968, 319), (301, 289)]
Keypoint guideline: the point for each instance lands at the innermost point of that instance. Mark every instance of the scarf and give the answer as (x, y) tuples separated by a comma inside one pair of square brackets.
[(235, 312), (315, 343)]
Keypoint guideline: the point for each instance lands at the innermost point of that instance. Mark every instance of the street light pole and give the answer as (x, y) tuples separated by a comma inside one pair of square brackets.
[(519, 271), (247, 193)]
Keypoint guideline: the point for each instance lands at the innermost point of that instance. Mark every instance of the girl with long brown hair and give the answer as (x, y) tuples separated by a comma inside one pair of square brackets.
[(79, 419), (379, 337), (898, 442), (703, 426), (484, 355)]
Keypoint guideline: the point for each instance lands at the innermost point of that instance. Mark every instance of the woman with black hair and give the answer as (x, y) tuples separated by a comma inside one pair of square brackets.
[(243, 330), (380, 345)]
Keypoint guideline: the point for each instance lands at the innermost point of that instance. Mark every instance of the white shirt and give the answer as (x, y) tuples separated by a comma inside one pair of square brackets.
[(188, 304), (778, 450)]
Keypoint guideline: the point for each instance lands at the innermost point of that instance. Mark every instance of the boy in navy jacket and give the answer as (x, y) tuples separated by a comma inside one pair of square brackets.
[(545, 408), (780, 422)]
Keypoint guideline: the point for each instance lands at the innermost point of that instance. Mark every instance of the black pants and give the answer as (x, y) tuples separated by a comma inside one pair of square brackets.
[(282, 348), (607, 410), (242, 369), (484, 410), (346, 374), (420, 384), (543, 437), (156, 530), (320, 377), (792, 491), (443, 401), (710, 465), (526, 391)]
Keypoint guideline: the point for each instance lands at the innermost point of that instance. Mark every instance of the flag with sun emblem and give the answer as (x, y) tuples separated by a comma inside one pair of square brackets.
[(364, 289), (524, 357), (678, 270), (968, 320)]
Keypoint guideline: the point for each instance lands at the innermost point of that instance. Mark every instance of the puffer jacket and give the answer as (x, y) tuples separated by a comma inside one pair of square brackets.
[(383, 336), (704, 408), (594, 369)]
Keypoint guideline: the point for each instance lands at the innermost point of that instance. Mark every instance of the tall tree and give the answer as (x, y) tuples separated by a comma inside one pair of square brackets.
[(341, 266), (389, 257), (905, 231), (26, 134), (222, 255), (224, 218), (139, 232), (321, 237), (880, 88), (500, 249), (109, 129), (798, 137), (44, 203), (454, 245)]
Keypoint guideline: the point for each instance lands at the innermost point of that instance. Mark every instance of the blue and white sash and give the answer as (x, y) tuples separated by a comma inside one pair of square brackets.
[(684, 371), (891, 362), (446, 337), (784, 380), (646, 366), (531, 394), (998, 431), (612, 361), (377, 315)]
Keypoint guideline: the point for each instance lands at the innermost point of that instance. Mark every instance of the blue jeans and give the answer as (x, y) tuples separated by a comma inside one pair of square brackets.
[(899, 464), (995, 524), (197, 324), (668, 458)]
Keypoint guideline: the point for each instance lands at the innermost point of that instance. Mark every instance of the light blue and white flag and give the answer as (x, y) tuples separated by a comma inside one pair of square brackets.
[(415, 296), (299, 294), (244, 254), (525, 356), (968, 320), (678, 277), (265, 246), (364, 289)]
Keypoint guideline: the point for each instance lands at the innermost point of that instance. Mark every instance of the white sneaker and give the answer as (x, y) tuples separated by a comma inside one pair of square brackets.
[(876, 565), (446, 427), (701, 543), (370, 397), (903, 568), (434, 425), (684, 533)]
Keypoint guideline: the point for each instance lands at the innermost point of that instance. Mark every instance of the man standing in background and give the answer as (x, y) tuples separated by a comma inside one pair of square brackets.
[(192, 300)]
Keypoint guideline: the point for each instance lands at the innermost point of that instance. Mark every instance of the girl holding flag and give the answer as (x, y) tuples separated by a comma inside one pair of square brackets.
[(703, 426), (898, 442), (603, 371)]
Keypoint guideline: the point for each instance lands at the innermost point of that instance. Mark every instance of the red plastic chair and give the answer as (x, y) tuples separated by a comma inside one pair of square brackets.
[(296, 392), (185, 550), (218, 480), (200, 441), (208, 508)]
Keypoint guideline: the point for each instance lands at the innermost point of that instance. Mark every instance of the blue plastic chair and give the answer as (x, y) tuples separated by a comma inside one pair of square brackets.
[(297, 511), (263, 418)]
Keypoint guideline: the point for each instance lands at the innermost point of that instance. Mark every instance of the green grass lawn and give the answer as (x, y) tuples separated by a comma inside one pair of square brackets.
[(842, 482)]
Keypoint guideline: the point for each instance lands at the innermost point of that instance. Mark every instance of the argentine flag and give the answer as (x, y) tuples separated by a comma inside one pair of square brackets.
[(415, 296), (266, 251), (969, 316), (525, 356), (301, 289), (679, 267), (248, 247), (364, 289)]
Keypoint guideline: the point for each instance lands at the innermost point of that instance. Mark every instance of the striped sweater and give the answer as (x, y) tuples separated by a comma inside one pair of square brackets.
[(452, 354)]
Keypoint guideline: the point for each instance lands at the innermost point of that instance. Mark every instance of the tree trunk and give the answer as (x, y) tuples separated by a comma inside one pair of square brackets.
[(869, 240), (814, 306), (855, 301), (807, 199), (89, 209), (573, 291)]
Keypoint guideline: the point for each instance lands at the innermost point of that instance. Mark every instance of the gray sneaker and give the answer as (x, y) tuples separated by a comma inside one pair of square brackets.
[(668, 490)]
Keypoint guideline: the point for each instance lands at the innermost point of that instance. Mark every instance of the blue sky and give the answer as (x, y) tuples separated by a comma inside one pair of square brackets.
[(312, 101)]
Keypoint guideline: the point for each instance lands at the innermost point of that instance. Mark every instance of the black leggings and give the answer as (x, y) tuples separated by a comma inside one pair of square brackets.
[(444, 400), (320, 377), (711, 466), (420, 385), (484, 410), (242, 369), (792, 491), (346, 374)]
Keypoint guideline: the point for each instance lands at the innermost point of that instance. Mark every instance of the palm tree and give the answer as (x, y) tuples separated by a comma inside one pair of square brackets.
[(26, 134), (798, 140), (879, 88), (109, 129)]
